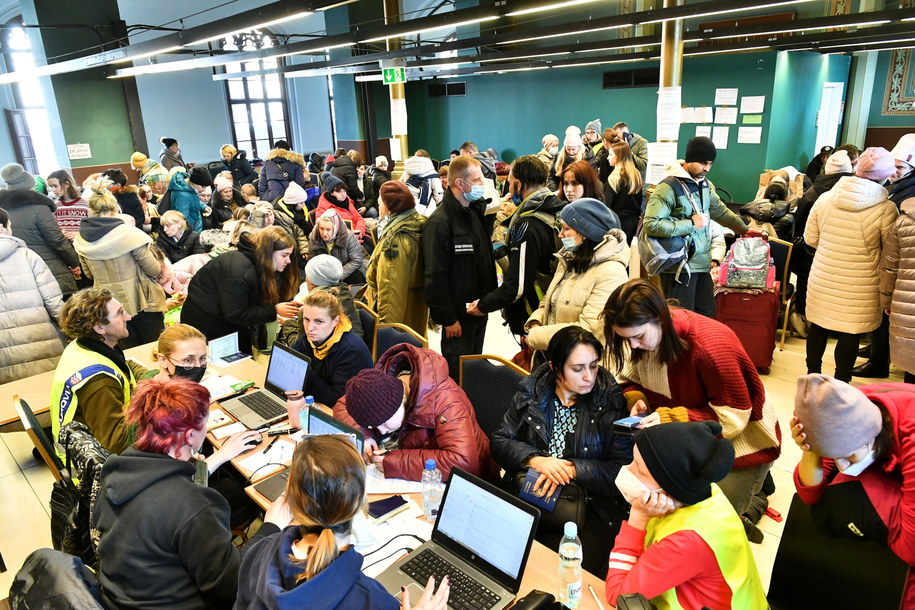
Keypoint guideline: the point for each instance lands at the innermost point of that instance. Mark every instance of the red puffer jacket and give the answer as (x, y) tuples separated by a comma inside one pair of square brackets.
[(439, 422)]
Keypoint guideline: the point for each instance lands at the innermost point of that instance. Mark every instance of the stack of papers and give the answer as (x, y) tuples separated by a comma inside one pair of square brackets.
[(261, 464), (375, 483)]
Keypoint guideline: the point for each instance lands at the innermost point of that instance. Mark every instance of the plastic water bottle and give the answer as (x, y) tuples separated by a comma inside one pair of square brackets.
[(570, 567), (306, 409), (432, 490)]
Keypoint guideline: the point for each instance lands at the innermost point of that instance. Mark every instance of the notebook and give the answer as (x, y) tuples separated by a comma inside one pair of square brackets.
[(482, 539), (285, 372)]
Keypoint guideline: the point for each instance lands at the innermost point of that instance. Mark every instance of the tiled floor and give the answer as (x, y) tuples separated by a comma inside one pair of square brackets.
[(25, 487)]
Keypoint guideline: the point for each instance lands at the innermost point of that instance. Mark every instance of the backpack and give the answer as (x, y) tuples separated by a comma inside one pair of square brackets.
[(424, 185), (748, 264), (659, 254)]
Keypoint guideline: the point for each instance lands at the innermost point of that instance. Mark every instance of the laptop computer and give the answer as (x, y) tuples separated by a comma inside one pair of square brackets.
[(285, 372), (481, 539)]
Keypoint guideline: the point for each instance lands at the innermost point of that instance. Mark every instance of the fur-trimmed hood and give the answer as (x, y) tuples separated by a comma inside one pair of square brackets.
[(288, 155)]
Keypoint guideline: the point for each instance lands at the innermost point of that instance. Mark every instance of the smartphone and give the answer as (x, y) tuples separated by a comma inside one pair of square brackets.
[(628, 425), (382, 510)]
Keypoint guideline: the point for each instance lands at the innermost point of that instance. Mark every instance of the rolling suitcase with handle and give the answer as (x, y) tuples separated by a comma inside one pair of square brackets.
[(753, 316)]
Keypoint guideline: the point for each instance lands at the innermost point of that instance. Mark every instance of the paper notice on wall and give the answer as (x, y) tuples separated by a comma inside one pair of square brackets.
[(660, 155), (399, 116), (687, 115), (704, 131), (720, 135), (668, 121), (726, 97), (726, 116), (79, 151), (749, 135), (395, 149), (752, 104), (704, 114)]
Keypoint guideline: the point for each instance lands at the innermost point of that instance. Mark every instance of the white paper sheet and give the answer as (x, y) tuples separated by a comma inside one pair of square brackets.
[(220, 386), (375, 483), (704, 130), (704, 114), (376, 541), (749, 135), (668, 113), (217, 418), (223, 432), (726, 116), (395, 149), (660, 155), (399, 116), (752, 104), (687, 115), (726, 97), (263, 464), (720, 135)]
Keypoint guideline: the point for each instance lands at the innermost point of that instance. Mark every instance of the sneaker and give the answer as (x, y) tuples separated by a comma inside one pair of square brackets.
[(800, 324)]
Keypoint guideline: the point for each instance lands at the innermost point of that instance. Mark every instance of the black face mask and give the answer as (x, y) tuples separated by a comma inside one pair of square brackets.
[(194, 373)]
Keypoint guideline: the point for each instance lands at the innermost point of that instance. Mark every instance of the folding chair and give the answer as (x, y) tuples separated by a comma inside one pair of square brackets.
[(43, 444), (369, 321), (389, 335), (490, 387), (781, 255)]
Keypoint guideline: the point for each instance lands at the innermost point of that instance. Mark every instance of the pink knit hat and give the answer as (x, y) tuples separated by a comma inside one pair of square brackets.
[(875, 164), (838, 418), (220, 183)]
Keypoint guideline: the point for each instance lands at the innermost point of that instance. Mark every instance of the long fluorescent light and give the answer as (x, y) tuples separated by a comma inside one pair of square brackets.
[(644, 44), (145, 55), (685, 53), (601, 63), (865, 44), (514, 70), (549, 7), (795, 30), (432, 29), (525, 56), (575, 33), (728, 10), (258, 26)]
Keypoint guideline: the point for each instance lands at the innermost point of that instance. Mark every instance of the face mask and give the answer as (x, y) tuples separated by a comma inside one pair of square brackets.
[(476, 192), (630, 485), (554, 150), (194, 373), (857, 468), (569, 243)]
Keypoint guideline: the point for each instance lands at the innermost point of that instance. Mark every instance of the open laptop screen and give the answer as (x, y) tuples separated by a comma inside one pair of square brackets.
[(495, 530), (286, 370), (322, 423)]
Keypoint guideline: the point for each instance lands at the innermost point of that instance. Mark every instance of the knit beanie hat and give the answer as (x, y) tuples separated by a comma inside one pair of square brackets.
[(838, 418), (166, 142), (329, 182), (839, 163), (573, 136), (396, 196), (503, 168), (595, 125), (138, 160), (548, 138), (220, 183), (700, 149), (686, 458), (294, 194), (373, 397), (200, 176), (323, 270), (905, 149), (590, 217), (875, 164), (16, 178)]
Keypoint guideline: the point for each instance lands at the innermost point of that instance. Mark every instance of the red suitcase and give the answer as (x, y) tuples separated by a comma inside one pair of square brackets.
[(753, 316)]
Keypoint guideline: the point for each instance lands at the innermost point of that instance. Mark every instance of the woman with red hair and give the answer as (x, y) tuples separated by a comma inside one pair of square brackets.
[(579, 180), (165, 540)]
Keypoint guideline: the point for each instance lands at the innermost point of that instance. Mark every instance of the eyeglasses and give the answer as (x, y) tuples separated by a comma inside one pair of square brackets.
[(189, 362), (120, 314)]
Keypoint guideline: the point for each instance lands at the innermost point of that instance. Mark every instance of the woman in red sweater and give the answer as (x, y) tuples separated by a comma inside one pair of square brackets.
[(681, 358)]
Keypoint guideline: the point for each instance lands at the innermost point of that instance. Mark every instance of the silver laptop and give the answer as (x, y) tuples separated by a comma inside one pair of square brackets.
[(285, 372), (482, 539)]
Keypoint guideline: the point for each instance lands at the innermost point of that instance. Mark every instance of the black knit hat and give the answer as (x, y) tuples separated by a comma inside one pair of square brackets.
[(373, 397), (700, 149), (166, 141), (329, 182), (686, 458), (200, 176)]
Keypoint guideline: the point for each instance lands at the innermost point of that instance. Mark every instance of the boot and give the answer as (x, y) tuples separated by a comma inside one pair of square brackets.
[(754, 534), (800, 324), (872, 370), (864, 351)]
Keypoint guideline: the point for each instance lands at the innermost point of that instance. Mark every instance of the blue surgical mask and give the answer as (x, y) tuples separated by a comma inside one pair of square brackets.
[(569, 243), (476, 192)]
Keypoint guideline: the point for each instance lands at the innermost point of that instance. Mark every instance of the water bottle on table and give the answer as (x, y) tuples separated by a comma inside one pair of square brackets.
[(432, 490), (570, 567)]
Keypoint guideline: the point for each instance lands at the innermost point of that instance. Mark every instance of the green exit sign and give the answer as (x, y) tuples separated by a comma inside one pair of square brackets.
[(393, 76)]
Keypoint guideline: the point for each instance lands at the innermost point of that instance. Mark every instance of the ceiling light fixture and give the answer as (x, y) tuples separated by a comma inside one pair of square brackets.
[(601, 63), (258, 26), (719, 51), (865, 44), (548, 7), (514, 70), (576, 32), (432, 29), (757, 7), (807, 29), (626, 44), (145, 55)]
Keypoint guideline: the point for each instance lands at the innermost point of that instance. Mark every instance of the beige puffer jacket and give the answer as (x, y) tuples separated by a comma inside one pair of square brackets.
[(847, 226), (897, 290), (579, 299)]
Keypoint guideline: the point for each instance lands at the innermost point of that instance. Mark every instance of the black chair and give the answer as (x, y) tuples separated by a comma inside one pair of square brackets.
[(358, 291), (782, 251), (369, 321), (42, 443), (813, 570), (490, 387), (389, 335)]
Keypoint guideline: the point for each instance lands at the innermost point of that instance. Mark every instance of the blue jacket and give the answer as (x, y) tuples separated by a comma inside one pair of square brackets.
[(326, 379), (186, 200), (268, 580)]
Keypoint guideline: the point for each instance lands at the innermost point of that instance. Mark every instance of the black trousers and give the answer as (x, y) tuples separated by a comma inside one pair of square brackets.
[(693, 292), (880, 343), (845, 354), (145, 327), (473, 331)]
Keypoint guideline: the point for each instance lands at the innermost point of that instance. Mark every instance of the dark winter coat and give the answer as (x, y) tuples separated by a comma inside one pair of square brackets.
[(379, 177), (345, 169), (595, 450), (439, 422), (168, 159), (346, 249), (175, 249), (326, 378), (902, 189), (242, 172), (32, 217), (130, 204), (165, 541), (823, 183), (280, 168)]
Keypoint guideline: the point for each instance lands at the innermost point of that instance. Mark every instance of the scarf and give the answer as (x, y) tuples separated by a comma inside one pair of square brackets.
[(322, 350), (391, 221)]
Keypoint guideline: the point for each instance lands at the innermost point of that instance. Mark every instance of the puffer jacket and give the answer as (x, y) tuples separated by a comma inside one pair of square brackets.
[(345, 169), (346, 248), (242, 172), (32, 217), (596, 451), (185, 199), (346, 211), (280, 168), (639, 148), (846, 226), (902, 189), (395, 274), (579, 299), (118, 258), (188, 243), (669, 214), (30, 303), (897, 290), (421, 167), (439, 422), (822, 184)]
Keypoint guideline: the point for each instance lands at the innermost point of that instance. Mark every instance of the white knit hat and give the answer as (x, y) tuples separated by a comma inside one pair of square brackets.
[(573, 136), (839, 163), (905, 149)]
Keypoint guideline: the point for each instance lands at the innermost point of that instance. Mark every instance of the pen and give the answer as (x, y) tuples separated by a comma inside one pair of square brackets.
[(596, 598), (280, 431), (270, 444)]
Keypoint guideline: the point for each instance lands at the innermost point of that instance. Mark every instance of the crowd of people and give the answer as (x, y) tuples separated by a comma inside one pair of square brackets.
[(179, 256)]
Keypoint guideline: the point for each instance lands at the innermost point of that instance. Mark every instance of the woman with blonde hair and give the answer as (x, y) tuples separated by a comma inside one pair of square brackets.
[(573, 150), (623, 192), (314, 559), (236, 161), (243, 290), (176, 240)]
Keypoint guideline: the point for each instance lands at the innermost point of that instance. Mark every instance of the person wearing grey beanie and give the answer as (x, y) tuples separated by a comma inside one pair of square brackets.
[(592, 136), (683, 543), (16, 178), (323, 270)]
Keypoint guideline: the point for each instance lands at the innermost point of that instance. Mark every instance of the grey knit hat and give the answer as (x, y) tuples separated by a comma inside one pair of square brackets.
[(595, 125), (16, 178), (329, 182), (590, 217), (838, 418), (323, 270)]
